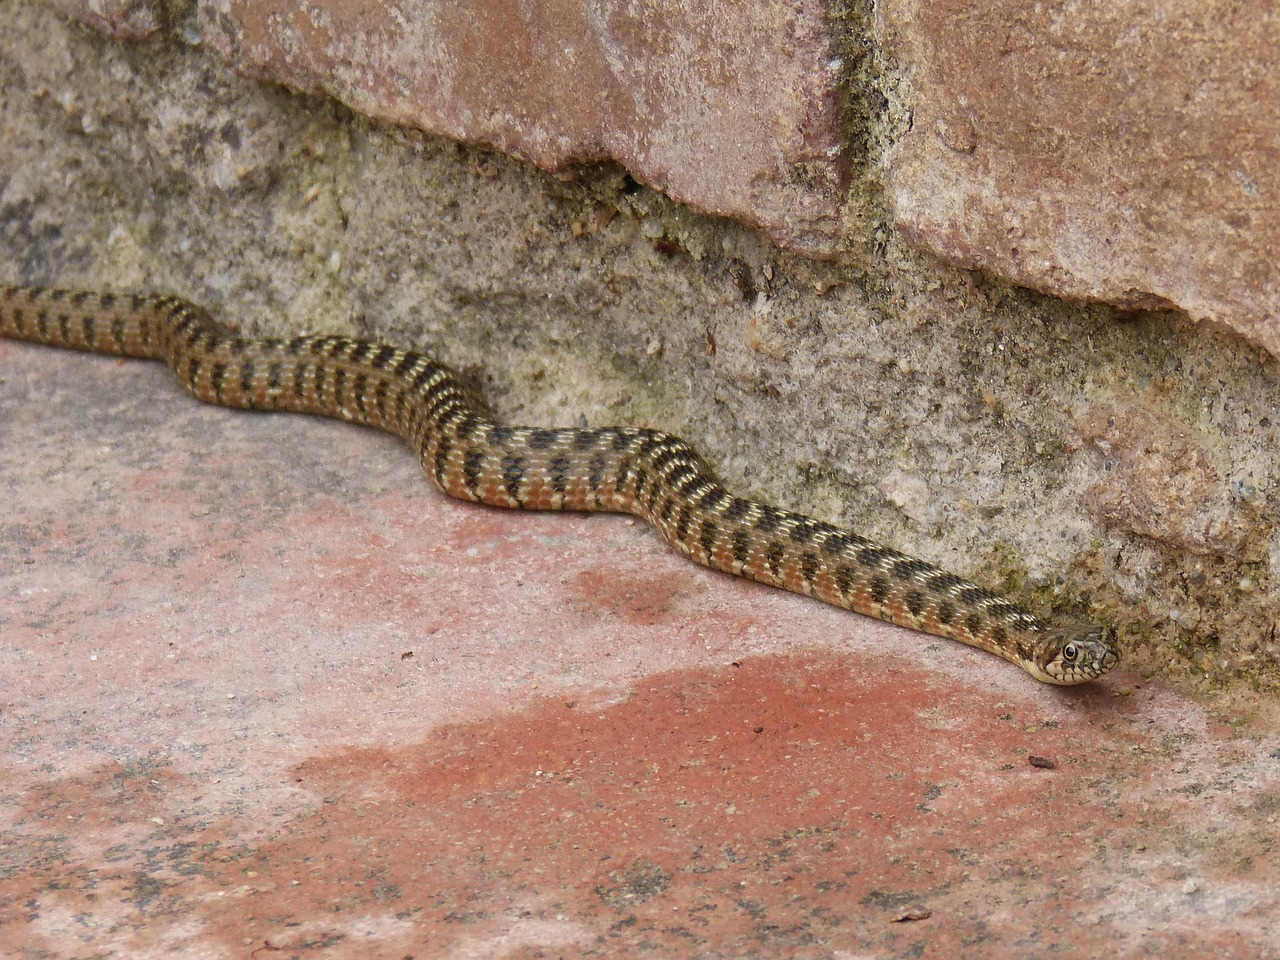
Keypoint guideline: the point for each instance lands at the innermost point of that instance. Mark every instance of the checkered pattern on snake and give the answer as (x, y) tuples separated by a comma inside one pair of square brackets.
[(468, 455)]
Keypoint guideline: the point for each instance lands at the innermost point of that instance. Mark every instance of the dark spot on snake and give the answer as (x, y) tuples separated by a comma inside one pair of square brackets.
[(741, 547), (682, 521), (914, 602), (620, 440), (246, 377), (665, 513), (217, 374), (596, 476), (665, 457), (708, 536), (455, 415), (117, 333), (946, 612), (768, 519), (844, 579), (380, 397), (737, 509), (803, 530), (440, 390), (971, 595), (467, 427), (300, 379), (942, 582), (441, 462), (382, 359), (501, 435), (424, 376), (57, 296), (875, 556), (999, 634), (513, 476), (907, 568), (358, 389), (107, 300), (541, 439), (641, 479), (1000, 607), (693, 488), (64, 327), (89, 326), (274, 370), (973, 623), (80, 298), (584, 439), (713, 497), (839, 542), (809, 565), (407, 362), (137, 301), (339, 384), (472, 468), (560, 475), (774, 559), (879, 588), (655, 491), (680, 473), (650, 441)]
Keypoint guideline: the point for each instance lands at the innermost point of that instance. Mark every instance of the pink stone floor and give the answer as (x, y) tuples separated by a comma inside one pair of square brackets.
[(265, 693)]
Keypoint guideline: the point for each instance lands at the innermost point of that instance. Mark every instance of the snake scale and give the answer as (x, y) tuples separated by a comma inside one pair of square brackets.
[(467, 454)]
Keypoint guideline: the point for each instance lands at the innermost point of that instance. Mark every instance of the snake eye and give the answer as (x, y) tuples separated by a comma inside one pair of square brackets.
[(1070, 652)]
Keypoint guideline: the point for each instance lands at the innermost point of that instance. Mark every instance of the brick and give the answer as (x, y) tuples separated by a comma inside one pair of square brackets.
[(1128, 153)]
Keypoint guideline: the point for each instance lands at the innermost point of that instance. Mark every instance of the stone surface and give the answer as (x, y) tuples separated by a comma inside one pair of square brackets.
[(1158, 480), (731, 108), (1124, 152), (264, 692)]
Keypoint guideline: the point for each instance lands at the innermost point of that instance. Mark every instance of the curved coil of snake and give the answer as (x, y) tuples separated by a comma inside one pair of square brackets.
[(622, 469)]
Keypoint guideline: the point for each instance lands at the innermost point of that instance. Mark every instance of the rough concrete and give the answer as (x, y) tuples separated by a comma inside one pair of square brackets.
[(265, 693), (1126, 152)]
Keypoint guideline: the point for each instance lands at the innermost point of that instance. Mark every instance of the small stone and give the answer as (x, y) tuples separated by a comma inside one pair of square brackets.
[(651, 228)]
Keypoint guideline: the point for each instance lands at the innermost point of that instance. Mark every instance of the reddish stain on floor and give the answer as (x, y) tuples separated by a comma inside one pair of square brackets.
[(777, 807)]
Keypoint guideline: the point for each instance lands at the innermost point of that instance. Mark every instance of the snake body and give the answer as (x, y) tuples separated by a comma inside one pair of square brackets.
[(469, 455)]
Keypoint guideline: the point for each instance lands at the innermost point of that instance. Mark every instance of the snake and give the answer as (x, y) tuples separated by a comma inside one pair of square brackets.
[(469, 454)]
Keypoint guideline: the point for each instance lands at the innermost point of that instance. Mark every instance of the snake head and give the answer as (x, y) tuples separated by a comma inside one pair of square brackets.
[(1074, 653)]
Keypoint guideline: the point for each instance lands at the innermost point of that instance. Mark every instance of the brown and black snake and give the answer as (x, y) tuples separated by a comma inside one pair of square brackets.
[(469, 455)]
